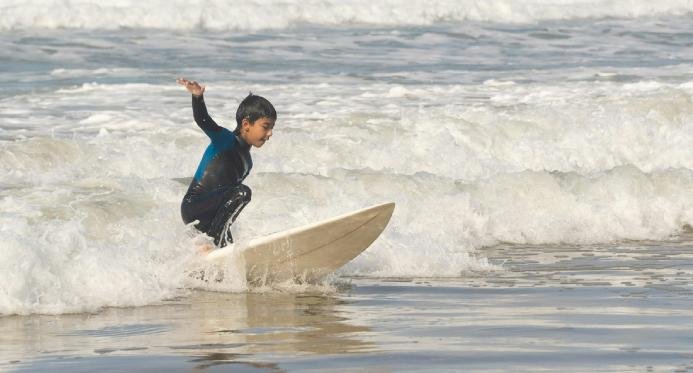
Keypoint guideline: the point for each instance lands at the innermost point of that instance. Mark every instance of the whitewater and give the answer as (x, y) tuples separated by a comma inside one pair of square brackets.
[(487, 122), (280, 14)]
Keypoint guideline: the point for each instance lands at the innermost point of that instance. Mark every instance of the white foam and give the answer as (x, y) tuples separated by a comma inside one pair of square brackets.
[(439, 222), (80, 73), (71, 252), (274, 14)]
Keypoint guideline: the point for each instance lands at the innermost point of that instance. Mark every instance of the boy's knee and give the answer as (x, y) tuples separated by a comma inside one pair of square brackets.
[(245, 192)]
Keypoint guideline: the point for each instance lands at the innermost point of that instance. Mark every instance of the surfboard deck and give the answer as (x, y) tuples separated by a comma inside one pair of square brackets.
[(310, 252)]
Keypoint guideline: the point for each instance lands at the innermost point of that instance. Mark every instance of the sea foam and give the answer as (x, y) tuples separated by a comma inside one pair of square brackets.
[(278, 14)]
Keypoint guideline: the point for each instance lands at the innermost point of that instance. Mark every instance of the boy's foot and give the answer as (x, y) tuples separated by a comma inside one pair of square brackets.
[(205, 249)]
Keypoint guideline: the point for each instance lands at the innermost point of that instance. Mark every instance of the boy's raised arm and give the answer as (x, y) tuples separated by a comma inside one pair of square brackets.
[(202, 118)]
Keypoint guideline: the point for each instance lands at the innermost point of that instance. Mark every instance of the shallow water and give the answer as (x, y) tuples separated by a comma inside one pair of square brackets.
[(613, 308), (539, 154)]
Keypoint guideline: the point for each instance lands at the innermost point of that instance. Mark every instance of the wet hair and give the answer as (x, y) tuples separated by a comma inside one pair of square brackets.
[(254, 107)]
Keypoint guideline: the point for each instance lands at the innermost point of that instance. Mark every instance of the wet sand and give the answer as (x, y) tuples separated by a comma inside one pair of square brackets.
[(621, 307)]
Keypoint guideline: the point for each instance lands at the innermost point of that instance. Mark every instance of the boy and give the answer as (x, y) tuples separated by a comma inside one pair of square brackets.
[(216, 196)]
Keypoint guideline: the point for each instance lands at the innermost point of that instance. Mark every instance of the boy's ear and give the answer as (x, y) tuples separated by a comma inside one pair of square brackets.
[(245, 122)]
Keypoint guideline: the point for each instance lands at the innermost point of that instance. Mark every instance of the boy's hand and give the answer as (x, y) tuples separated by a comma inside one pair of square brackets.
[(192, 86)]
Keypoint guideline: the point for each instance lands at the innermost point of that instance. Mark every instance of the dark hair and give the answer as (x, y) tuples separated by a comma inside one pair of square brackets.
[(254, 107)]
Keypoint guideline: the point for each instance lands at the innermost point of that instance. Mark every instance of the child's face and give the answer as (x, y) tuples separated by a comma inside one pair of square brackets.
[(258, 132)]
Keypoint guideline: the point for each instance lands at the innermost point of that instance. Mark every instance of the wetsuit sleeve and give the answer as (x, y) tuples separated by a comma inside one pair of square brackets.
[(202, 118)]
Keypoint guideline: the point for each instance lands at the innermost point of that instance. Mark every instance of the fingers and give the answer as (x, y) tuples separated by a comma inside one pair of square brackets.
[(186, 82), (192, 86)]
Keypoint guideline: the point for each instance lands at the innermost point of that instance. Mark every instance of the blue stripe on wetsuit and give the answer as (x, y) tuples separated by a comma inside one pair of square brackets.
[(223, 140)]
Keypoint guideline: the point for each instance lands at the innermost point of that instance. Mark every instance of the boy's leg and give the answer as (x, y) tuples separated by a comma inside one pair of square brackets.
[(202, 208), (235, 200)]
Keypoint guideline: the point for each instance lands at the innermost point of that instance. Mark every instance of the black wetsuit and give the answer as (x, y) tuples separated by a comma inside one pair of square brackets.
[(216, 196)]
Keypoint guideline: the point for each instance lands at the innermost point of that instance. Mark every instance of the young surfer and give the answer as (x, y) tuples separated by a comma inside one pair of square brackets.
[(216, 194)]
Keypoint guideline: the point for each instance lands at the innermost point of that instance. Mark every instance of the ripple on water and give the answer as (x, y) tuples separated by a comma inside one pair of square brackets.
[(120, 331)]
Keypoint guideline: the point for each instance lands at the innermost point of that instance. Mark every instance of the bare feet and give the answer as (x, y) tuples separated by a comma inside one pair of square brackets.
[(205, 249)]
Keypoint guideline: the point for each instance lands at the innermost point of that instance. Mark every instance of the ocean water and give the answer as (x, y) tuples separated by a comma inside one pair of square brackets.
[(504, 131)]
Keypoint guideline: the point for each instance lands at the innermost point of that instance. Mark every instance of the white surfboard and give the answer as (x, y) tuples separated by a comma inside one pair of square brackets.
[(310, 252)]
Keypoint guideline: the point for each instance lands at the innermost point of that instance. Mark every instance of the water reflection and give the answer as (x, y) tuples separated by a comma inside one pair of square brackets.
[(211, 328), (220, 359)]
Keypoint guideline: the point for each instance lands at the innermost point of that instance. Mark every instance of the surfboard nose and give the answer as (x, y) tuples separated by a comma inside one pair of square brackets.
[(388, 208), (380, 214)]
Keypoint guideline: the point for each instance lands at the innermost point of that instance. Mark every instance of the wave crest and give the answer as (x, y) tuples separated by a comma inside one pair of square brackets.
[(279, 14)]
